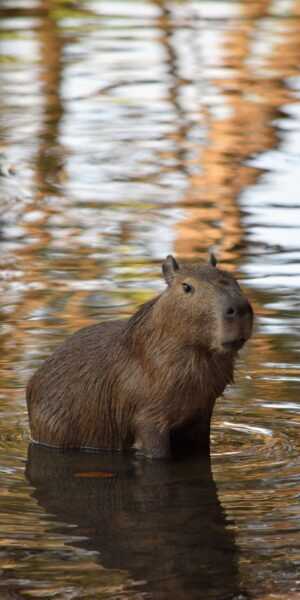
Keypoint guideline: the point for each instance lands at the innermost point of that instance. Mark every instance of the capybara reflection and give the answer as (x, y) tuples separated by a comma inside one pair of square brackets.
[(149, 382), (159, 523)]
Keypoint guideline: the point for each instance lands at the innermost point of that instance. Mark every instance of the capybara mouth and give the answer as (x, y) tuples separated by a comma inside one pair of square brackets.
[(234, 345)]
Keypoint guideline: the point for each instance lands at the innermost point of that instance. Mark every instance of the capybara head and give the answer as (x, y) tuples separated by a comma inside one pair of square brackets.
[(205, 306)]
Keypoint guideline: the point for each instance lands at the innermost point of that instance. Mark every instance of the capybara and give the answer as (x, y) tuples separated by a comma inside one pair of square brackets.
[(149, 382)]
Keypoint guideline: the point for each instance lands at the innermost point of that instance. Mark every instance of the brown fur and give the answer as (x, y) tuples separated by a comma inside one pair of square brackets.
[(149, 382)]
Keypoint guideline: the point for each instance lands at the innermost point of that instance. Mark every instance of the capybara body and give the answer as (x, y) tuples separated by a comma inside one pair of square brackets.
[(149, 382)]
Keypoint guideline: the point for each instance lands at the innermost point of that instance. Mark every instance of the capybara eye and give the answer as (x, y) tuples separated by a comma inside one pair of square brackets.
[(187, 288)]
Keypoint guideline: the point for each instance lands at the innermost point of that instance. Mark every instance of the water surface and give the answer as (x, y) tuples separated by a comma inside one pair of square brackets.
[(129, 130)]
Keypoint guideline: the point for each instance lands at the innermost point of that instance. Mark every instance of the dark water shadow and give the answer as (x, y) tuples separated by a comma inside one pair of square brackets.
[(162, 522)]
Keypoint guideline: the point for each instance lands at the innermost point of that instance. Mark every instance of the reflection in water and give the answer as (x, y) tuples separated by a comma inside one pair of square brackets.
[(245, 99), (160, 522), (128, 131)]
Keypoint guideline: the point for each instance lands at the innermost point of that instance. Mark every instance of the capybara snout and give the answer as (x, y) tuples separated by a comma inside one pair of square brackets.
[(237, 321), (142, 382)]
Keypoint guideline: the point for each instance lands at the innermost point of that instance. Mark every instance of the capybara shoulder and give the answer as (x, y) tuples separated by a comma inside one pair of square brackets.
[(148, 383)]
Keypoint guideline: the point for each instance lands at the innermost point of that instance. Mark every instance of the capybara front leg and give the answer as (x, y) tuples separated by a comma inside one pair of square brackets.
[(191, 439), (199, 436), (151, 442)]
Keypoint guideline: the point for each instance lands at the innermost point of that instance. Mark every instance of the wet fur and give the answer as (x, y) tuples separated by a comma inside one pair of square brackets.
[(105, 379), (149, 382)]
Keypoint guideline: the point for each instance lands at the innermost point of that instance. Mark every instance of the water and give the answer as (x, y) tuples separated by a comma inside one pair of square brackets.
[(129, 130)]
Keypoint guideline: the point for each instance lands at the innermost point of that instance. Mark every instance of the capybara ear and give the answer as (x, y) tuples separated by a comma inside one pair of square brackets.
[(169, 268), (212, 259)]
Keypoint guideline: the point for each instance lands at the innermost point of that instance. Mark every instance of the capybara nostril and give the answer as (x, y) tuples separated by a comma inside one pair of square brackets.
[(240, 308), (231, 312)]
